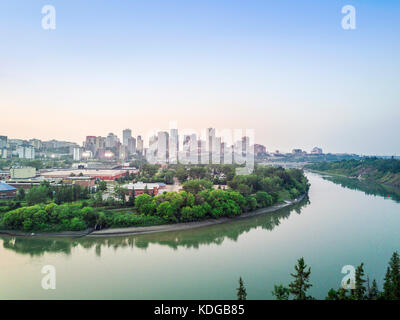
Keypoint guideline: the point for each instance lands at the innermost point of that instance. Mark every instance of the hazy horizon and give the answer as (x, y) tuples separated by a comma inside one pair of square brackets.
[(286, 69)]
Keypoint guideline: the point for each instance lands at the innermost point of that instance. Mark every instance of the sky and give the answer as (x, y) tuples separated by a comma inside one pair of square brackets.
[(286, 69)]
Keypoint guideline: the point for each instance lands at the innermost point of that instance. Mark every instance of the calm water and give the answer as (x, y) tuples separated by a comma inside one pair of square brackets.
[(339, 225)]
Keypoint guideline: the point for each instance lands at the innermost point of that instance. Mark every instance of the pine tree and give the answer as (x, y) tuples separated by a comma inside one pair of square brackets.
[(241, 291), (281, 292), (373, 292), (358, 293), (300, 284), (387, 285), (395, 275)]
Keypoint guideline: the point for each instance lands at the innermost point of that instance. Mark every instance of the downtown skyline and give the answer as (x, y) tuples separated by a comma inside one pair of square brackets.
[(287, 70)]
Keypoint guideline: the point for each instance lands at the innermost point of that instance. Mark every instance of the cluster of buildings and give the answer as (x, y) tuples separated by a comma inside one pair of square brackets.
[(33, 148), (28, 177), (165, 147), (162, 147)]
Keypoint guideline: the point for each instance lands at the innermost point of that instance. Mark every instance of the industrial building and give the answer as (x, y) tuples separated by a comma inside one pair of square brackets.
[(92, 173)]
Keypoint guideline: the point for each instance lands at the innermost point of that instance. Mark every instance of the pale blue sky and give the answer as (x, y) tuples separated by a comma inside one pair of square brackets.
[(284, 68)]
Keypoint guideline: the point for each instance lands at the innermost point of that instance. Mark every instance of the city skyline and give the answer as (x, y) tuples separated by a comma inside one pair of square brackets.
[(222, 65)]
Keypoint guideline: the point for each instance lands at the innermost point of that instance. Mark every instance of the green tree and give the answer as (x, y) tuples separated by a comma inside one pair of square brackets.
[(195, 186), (21, 194), (131, 200), (37, 195), (391, 286), (281, 292), (120, 193), (373, 292), (358, 293), (300, 284), (181, 174), (166, 211), (241, 291), (102, 185)]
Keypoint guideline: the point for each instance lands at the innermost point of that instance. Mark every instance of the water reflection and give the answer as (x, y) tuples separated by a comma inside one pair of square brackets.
[(194, 238), (369, 188)]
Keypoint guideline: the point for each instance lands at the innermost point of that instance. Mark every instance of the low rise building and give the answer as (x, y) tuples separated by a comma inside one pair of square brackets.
[(22, 172), (140, 188), (7, 191), (92, 173), (81, 181)]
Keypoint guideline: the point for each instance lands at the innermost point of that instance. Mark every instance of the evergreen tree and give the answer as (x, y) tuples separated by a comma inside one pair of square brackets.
[(241, 291), (131, 200), (358, 293), (387, 285), (281, 292), (300, 284), (395, 275), (373, 292)]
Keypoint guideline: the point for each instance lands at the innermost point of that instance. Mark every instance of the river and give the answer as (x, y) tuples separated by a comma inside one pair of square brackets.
[(337, 225)]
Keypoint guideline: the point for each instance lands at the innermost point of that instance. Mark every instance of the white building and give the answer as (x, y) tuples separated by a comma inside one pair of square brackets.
[(162, 146), (26, 152), (77, 154)]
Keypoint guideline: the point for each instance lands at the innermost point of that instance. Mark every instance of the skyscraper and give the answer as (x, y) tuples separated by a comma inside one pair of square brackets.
[(139, 145), (173, 146), (162, 146), (126, 135)]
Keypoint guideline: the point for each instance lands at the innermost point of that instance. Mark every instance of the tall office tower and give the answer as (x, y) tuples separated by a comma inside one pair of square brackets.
[(151, 152), (112, 141), (123, 152), (216, 151), (210, 137), (139, 145), (3, 141), (190, 152), (126, 135), (90, 143), (173, 146), (162, 146), (131, 145), (245, 145)]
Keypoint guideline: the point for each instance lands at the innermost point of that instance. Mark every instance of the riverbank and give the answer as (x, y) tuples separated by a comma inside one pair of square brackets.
[(152, 229)]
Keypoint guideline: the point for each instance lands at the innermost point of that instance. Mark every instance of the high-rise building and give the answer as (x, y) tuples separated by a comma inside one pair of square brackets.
[(173, 146), (26, 152), (210, 137), (3, 141), (139, 145), (162, 146), (131, 145), (77, 154), (36, 143), (126, 135), (259, 150), (112, 141)]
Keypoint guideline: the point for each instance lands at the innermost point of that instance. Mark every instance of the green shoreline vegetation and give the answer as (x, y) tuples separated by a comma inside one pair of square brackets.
[(377, 170), (73, 208)]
